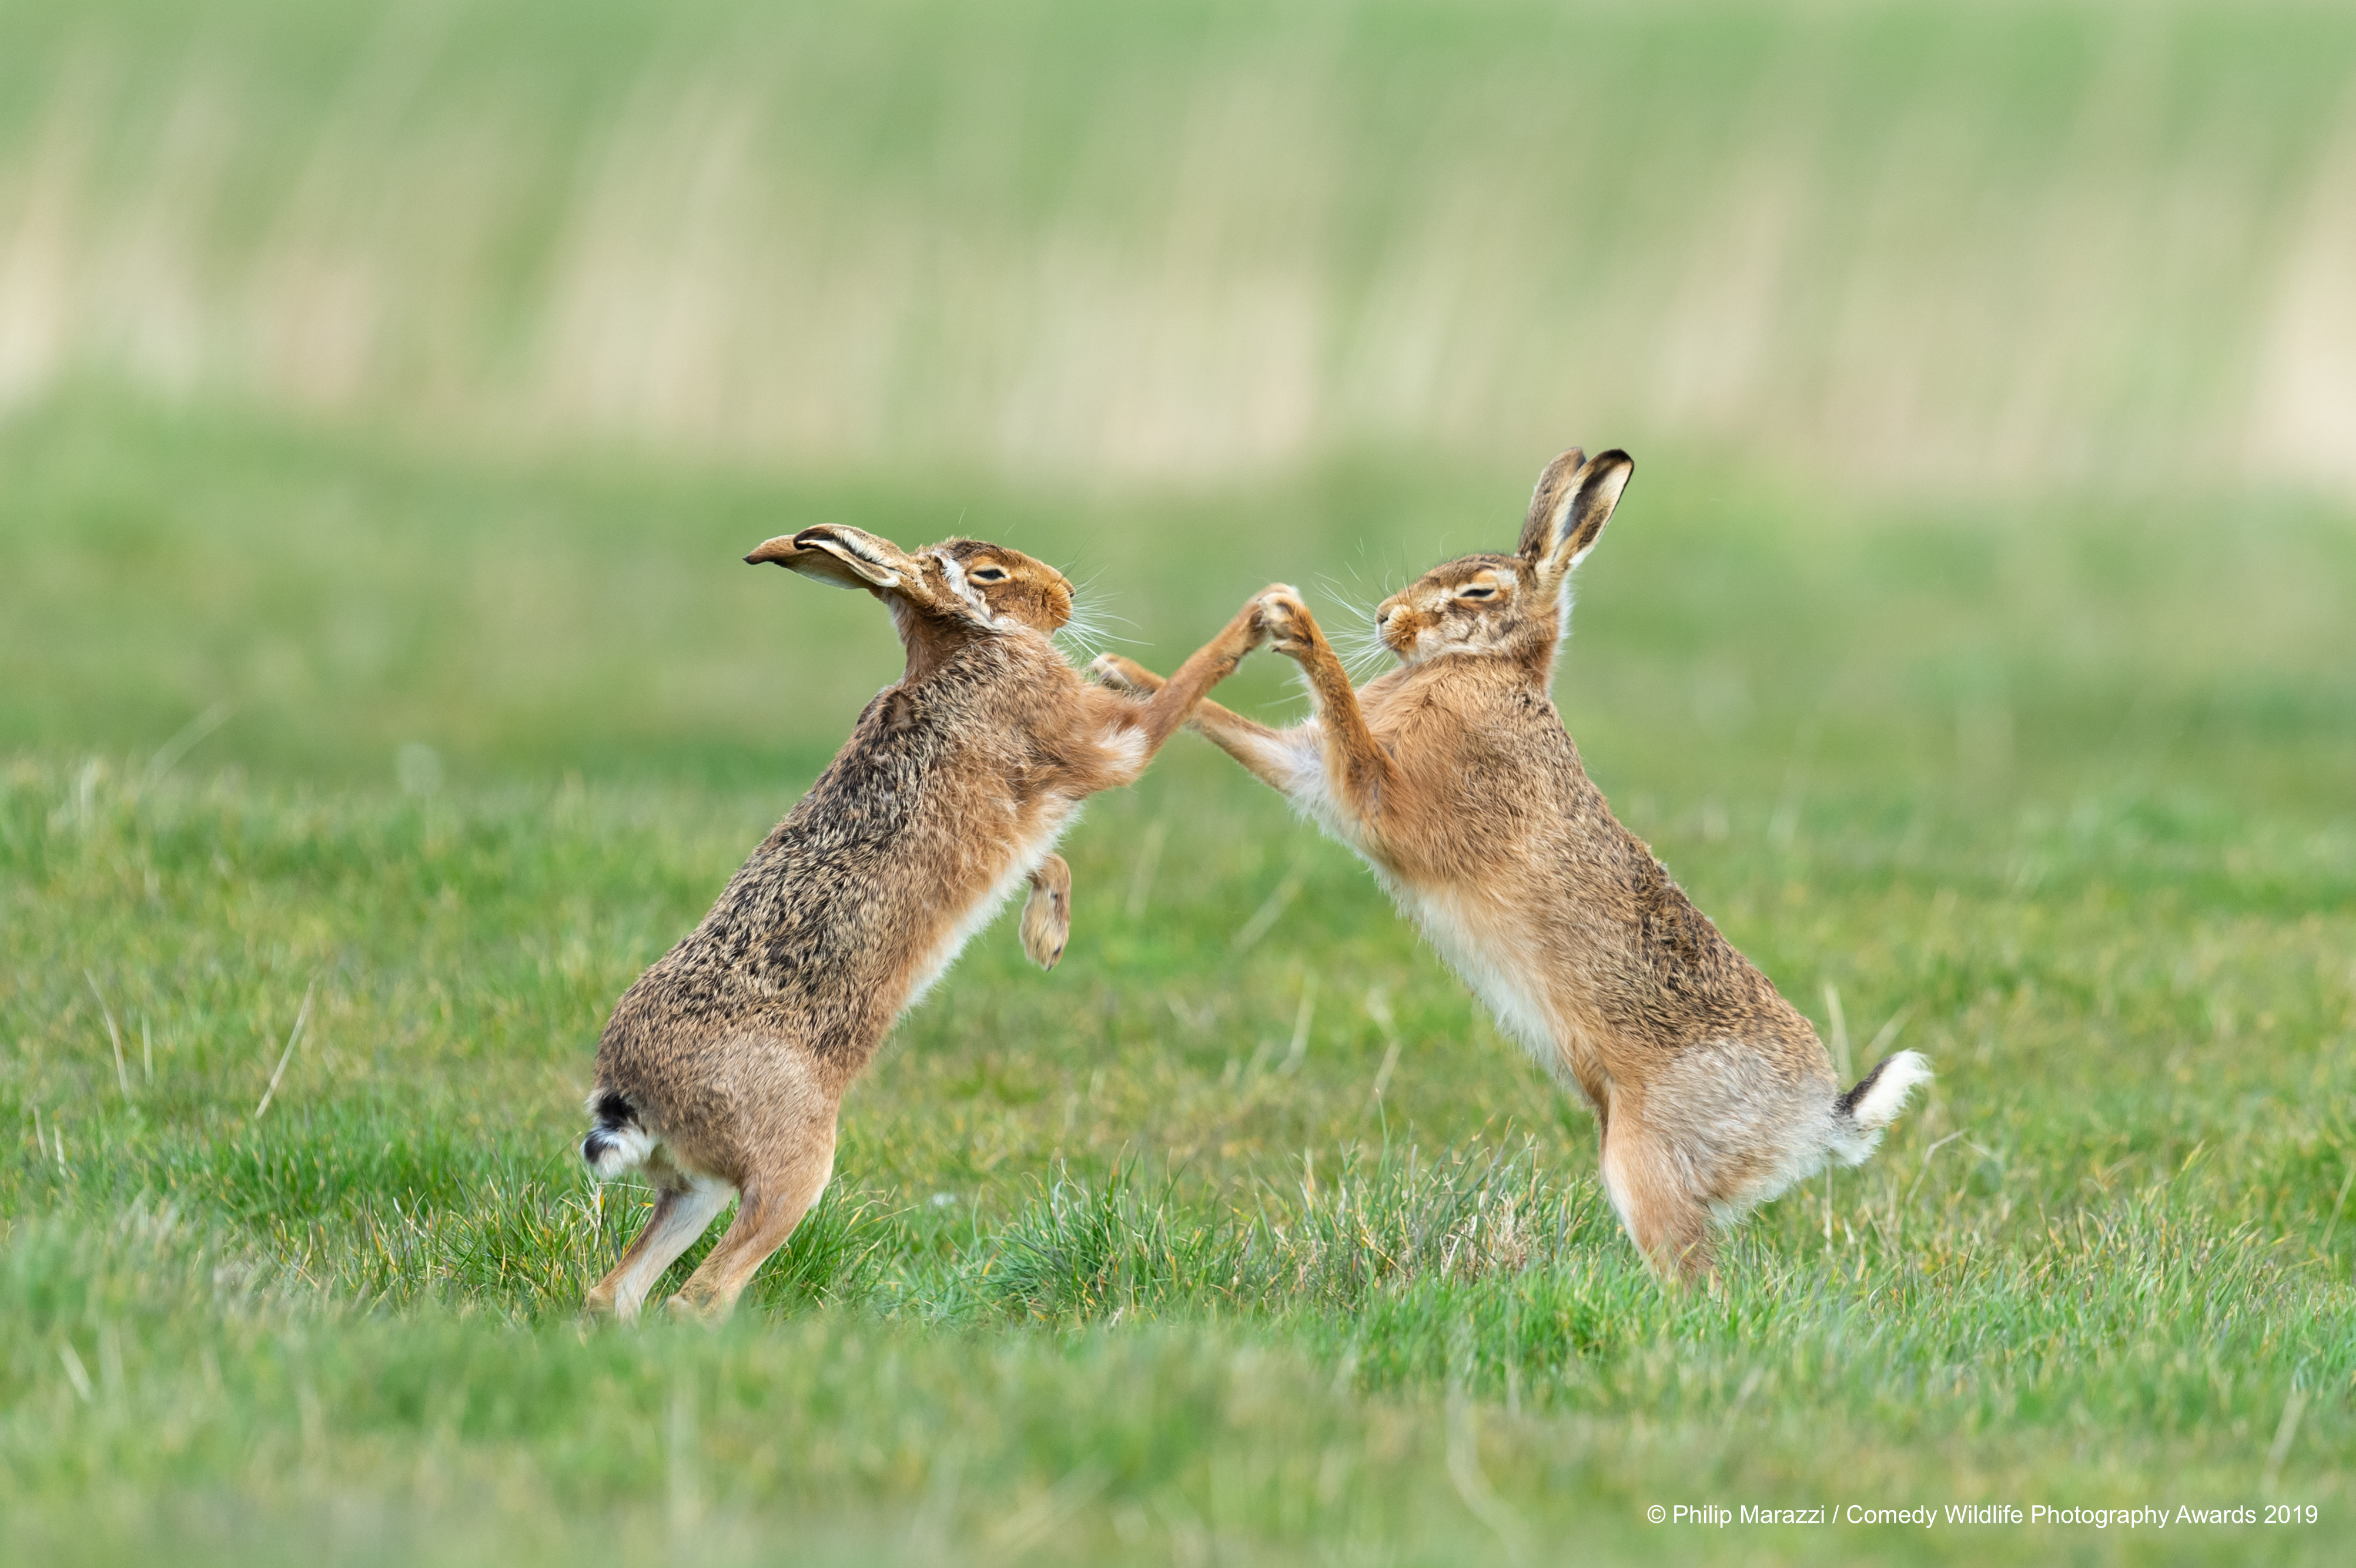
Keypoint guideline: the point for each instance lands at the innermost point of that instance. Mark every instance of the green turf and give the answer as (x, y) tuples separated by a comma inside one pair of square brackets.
[(1134, 1261)]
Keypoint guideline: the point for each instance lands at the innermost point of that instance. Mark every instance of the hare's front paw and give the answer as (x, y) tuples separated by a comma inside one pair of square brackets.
[(1116, 674), (1048, 912), (1285, 619)]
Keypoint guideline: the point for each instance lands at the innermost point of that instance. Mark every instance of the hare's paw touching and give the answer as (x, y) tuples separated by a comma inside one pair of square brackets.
[(1116, 674), (1286, 619)]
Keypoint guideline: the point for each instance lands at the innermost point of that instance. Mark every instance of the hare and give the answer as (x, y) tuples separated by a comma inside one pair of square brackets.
[(722, 1069), (1453, 778)]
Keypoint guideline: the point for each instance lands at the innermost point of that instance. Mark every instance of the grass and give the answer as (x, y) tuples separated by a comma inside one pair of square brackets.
[(1242, 1236)]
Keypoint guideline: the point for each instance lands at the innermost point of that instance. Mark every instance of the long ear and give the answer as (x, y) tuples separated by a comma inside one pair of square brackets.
[(842, 557), (1588, 493), (1547, 503)]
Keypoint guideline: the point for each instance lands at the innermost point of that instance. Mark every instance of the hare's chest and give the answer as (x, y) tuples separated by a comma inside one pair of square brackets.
[(1502, 967)]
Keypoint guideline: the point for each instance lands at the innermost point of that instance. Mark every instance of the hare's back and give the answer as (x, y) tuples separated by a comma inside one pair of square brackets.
[(889, 831), (1672, 974), (811, 914)]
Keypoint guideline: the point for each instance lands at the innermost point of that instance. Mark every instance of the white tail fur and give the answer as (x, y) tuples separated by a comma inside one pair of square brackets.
[(618, 1142), (1876, 1101)]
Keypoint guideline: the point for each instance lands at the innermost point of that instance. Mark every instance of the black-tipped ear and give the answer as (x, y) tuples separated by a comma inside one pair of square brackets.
[(848, 558), (818, 565), (778, 550), (1591, 494), (1547, 503)]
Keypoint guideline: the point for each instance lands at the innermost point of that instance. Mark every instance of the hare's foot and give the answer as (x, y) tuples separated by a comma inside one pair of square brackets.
[(679, 1216), (1669, 1225), (773, 1204)]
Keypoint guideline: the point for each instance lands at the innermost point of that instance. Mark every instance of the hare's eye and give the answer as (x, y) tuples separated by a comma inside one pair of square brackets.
[(991, 574), (1477, 593)]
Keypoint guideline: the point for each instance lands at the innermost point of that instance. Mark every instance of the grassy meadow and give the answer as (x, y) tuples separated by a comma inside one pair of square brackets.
[(1241, 1236), (388, 393)]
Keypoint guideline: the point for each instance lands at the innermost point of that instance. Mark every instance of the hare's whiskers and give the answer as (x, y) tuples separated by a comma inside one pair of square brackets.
[(1085, 635), (1360, 644)]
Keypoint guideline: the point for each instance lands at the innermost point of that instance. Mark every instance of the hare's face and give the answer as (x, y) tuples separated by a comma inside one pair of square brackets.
[(1478, 604), (1518, 605), (997, 587)]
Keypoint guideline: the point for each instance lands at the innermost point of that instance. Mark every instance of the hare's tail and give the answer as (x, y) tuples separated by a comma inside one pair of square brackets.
[(620, 1141), (1861, 1115)]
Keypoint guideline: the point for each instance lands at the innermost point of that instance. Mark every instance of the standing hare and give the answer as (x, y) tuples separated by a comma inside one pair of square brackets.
[(1453, 778), (722, 1069)]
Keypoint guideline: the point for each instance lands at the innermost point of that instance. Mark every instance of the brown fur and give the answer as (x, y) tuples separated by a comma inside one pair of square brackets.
[(1454, 777), (722, 1069)]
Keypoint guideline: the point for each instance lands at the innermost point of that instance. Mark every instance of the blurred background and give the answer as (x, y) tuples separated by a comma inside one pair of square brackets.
[(408, 375), (1975, 246)]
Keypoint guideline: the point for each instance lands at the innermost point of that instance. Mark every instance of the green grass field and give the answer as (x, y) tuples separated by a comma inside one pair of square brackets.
[(1242, 1236), (388, 392)]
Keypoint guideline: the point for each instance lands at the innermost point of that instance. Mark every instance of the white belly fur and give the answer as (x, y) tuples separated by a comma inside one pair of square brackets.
[(1482, 960), (1519, 1008), (1029, 854)]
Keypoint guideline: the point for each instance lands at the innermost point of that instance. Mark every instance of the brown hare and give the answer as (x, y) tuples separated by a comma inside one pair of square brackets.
[(1453, 778), (723, 1068)]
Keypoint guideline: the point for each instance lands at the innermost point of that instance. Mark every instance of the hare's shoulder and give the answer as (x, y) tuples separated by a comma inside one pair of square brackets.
[(1474, 728), (878, 778)]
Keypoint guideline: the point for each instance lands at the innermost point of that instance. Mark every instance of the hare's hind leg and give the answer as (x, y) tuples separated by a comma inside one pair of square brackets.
[(679, 1217), (775, 1200), (1668, 1223)]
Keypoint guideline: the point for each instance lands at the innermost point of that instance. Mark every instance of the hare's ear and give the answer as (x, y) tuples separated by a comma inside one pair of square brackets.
[(1546, 502), (845, 556), (1578, 496)]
